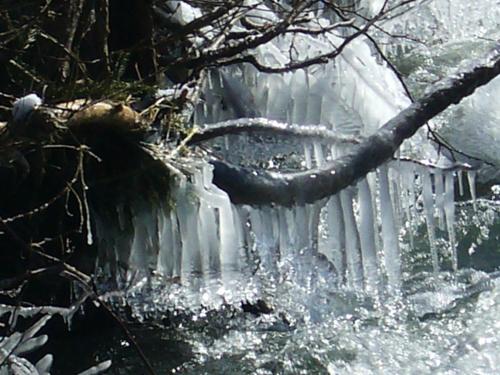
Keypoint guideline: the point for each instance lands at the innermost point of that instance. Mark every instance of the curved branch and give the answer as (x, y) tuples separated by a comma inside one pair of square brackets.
[(295, 65), (211, 56), (455, 166), (263, 125), (247, 186)]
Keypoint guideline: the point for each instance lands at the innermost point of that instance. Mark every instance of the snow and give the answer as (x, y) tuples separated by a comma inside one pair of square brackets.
[(183, 12), (24, 106)]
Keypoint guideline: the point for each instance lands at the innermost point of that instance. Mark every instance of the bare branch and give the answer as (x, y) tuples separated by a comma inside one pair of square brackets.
[(262, 125), (249, 187), (294, 65), (210, 56)]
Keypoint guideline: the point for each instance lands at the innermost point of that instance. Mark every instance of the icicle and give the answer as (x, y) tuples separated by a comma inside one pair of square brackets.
[(299, 94), (117, 242), (318, 154), (449, 210), (408, 187), (206, 113), (314, 105), (471, 178), (239, 230), (264, 238), (336, 236), (278, 98), (216, 216), (389, 233), (307, 155), (397, 191), (284, 240), (154, 227), (429, 215), (177, 245), (90, 238), (353, 251), (187, 214), (367, 235), (246, 233), (373, 184), (314, 212), (229, 254), (141, 244), (167, 247), (439, 191), (460, 176), (209, 243), (302, 223)]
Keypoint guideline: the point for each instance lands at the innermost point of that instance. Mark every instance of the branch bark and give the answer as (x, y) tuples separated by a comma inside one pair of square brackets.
[(271, 127), (245, 186), (62, 28)]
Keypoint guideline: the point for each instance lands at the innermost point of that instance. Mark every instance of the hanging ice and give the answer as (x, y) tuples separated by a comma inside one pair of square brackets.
[(449, 209), (367, 235), (206, 237), (352, 246), (389, 233), (429, 215), (471, 178)]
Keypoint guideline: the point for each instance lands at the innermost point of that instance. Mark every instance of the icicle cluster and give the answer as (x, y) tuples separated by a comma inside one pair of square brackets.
[(442, 34), (450, 21), (354, 94), (358, 230), (205, 236)]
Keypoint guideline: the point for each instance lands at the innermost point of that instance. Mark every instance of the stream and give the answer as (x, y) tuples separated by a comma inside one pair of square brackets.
[(396, 275)]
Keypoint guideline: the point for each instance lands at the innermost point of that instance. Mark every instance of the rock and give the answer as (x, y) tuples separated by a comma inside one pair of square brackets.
[(106, 116)]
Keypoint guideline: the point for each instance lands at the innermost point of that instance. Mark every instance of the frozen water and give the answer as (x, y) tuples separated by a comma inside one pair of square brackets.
[(207, 242), (348, 294)]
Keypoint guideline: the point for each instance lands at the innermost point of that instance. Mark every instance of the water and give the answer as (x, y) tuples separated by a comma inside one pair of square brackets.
[(298, 317), (441, 323), (389, 277)]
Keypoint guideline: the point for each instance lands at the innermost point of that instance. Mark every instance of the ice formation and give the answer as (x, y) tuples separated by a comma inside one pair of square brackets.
[(359, 230), (449, 33)]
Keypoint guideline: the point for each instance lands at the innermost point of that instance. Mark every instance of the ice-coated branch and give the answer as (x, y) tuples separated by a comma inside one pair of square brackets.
[(247, 186), (272, 127), (455, 166), (212, 56)]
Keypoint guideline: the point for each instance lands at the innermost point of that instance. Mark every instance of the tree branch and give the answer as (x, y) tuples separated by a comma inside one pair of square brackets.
[(211, 56), (263, 125), (247, 186)]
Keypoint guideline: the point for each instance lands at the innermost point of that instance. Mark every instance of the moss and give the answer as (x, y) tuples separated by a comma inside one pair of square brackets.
[(109, 89)]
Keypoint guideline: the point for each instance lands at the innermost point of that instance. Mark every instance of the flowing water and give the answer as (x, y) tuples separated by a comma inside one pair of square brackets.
[(440, 323), (396, 275)]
